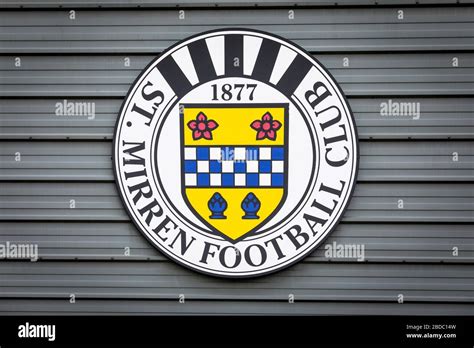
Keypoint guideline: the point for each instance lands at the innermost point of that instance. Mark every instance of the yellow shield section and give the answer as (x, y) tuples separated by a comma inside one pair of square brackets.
[(234, 226), (234, 164)]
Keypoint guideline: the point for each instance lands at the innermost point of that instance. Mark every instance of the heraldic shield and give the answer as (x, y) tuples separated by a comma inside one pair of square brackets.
[(234, 160)]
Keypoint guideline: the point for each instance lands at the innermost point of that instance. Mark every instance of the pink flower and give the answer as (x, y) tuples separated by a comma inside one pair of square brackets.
[(202, 127), (267, 127)]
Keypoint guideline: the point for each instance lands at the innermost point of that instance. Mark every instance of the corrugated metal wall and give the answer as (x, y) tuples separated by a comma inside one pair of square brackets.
[(413, 203)]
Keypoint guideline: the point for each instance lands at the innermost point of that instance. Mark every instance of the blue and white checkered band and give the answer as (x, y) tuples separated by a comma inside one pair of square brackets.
[(226, 166)]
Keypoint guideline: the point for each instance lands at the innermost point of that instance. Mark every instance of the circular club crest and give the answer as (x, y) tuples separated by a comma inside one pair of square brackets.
[(235, 153)]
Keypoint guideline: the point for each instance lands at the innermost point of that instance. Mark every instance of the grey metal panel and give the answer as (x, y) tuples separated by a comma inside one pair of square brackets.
[(334, 15), (177, 29), (201, 3), (381, 161), (367, 74), (439, 118), (315, 29), (107, 241), (371, 202), (173, 307), (189, 3), (165, 280)]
